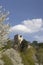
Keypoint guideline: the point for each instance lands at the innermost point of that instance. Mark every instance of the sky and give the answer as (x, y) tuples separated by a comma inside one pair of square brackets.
[(25, 18)]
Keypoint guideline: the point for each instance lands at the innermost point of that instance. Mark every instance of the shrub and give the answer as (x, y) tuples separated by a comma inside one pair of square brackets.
[(27, 57)]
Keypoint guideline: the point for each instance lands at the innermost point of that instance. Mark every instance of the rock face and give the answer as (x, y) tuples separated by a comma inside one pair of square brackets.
[(1, 62), (14, 56), (17, 41), (18, 38)]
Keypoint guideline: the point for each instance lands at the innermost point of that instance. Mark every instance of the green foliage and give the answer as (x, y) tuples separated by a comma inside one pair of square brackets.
[(34, 43), (7, 60), (40, 55), (40, 45), (1, 48), (27, 56)]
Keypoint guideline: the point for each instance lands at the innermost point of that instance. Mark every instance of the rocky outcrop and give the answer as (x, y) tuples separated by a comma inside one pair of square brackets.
[(1, 61), (14, 56)]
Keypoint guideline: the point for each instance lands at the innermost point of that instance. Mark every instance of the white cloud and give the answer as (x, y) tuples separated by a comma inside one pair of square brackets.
[(39, 38), (28, 26), (42, 29), (21, 28)]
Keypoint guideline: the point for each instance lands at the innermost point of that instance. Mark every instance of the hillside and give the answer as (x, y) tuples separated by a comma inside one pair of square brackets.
[(31, 56), (23, 54)]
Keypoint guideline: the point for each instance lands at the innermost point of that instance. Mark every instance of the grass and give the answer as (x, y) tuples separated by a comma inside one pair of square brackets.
[(7, 60), (27, 58)]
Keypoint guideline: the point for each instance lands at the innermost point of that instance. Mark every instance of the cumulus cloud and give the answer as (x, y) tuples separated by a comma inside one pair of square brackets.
[(21, 28), (28, 26)]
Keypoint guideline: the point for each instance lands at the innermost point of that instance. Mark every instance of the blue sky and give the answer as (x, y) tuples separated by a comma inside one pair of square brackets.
[(26, 18)]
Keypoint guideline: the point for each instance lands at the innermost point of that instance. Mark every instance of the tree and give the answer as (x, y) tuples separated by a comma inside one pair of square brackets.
[(4, 28), (35, 42), (24, 45)]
